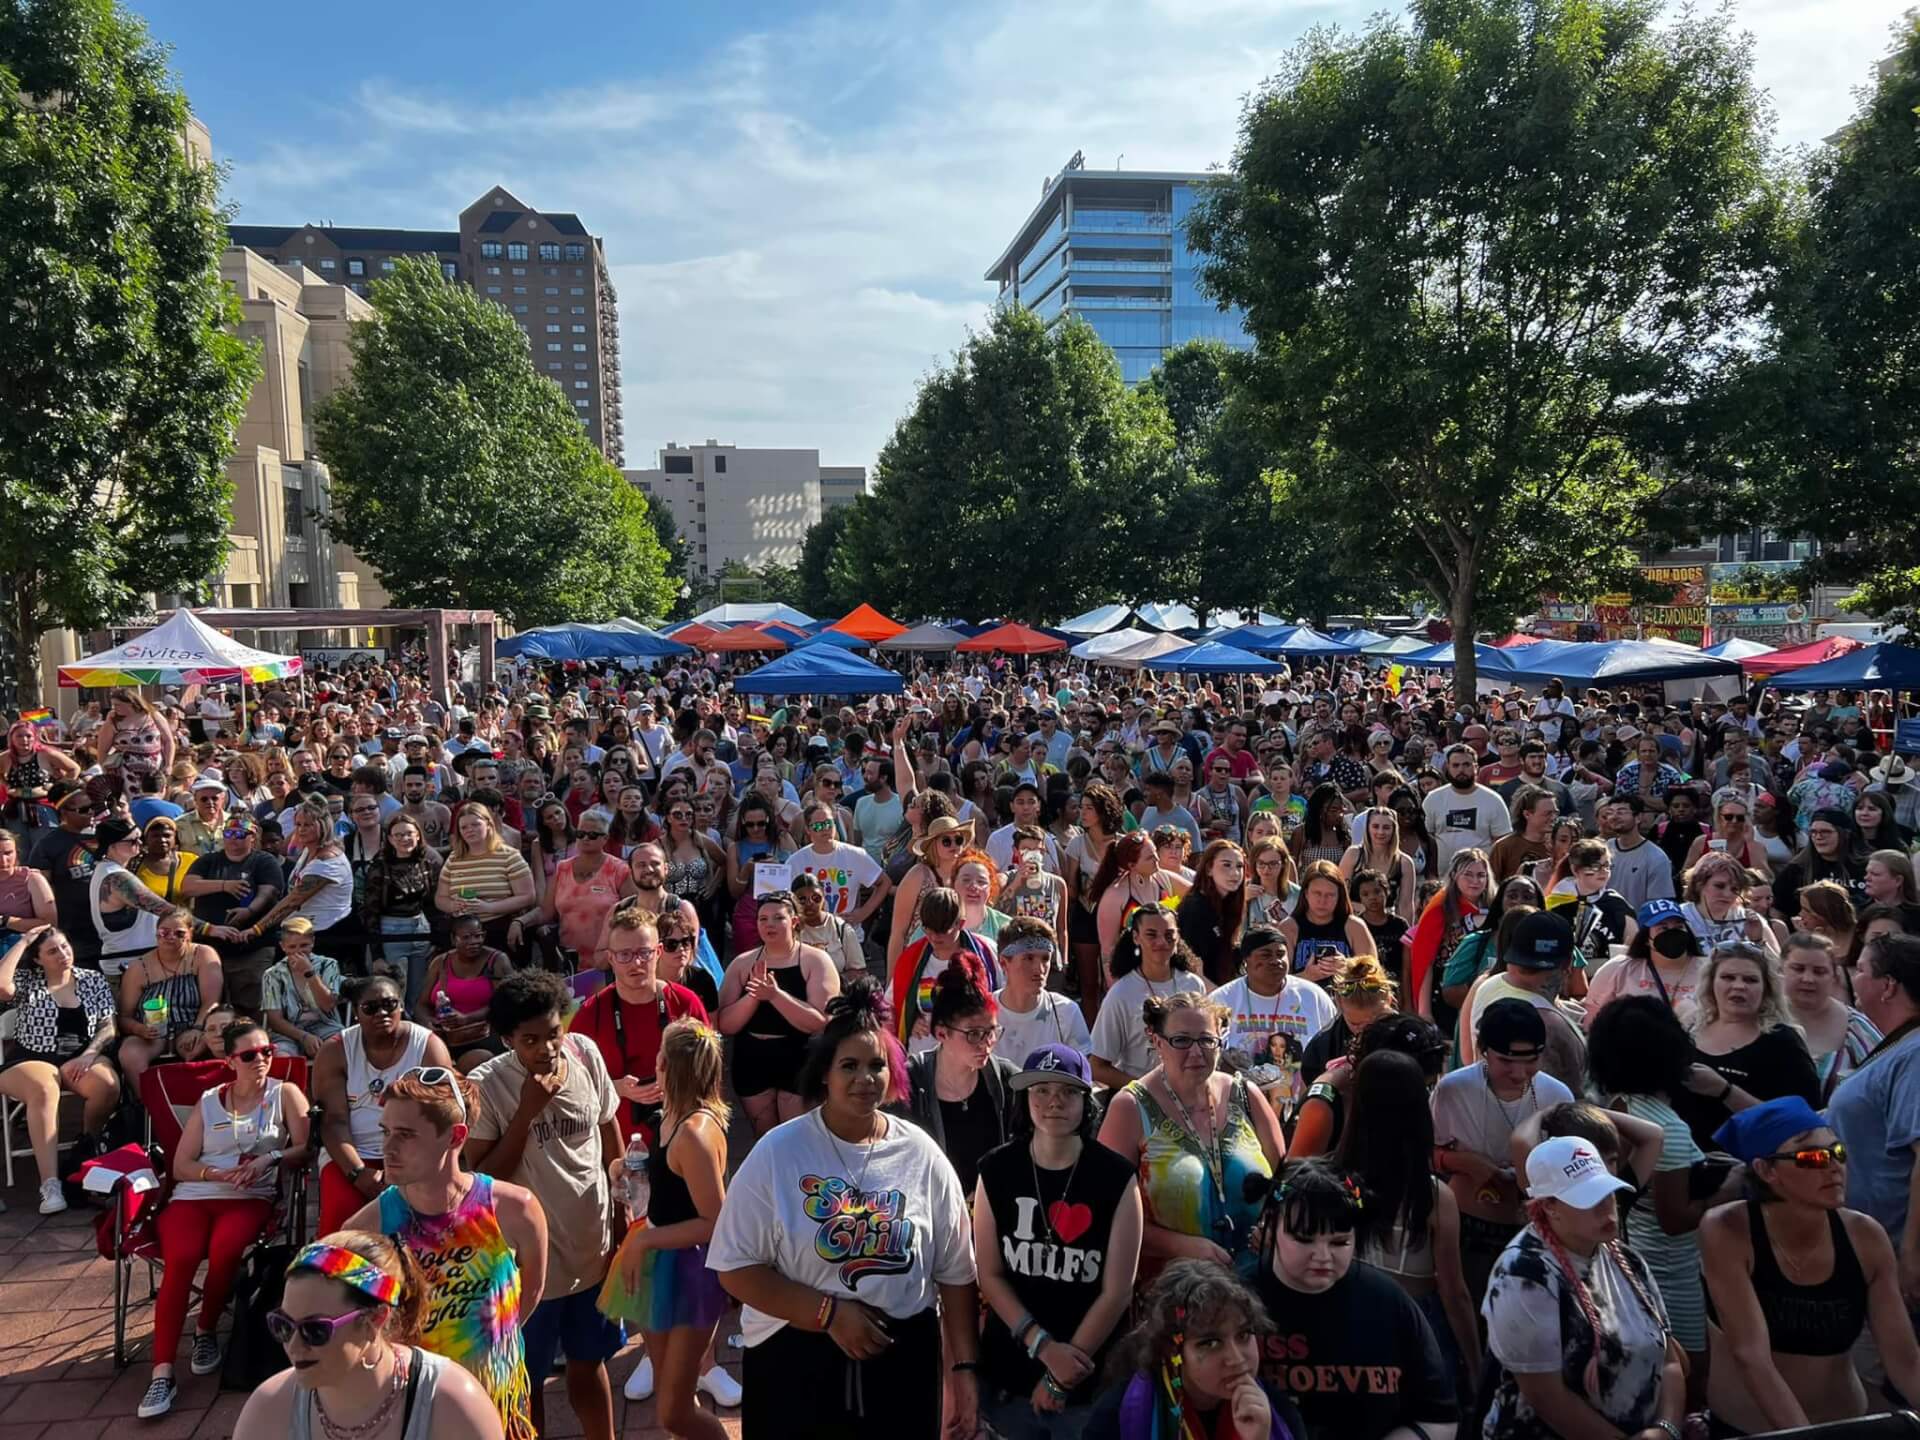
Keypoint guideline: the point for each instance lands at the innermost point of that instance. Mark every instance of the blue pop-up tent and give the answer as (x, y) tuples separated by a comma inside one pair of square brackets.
[(1440, 657), (1307, 642), (1254, 638), (833, 640), (1885, 666), (1738, 649), (1213, 658), (819, 670), (575, 641), (1359, 636), (1599, 662)]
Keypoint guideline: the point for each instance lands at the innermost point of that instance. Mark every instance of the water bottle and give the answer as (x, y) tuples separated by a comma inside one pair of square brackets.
[(443, 1010), (638, 1188)]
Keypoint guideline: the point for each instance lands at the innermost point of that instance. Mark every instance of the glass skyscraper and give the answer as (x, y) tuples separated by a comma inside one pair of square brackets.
[(1110, 247)]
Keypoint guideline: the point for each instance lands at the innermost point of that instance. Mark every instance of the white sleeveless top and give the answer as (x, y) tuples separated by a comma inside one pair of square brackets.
[(227, 1139), (118, 946), (364, 1084)]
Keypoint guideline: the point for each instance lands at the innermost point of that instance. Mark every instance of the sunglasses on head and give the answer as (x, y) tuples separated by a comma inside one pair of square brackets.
[(434, 1076), (315, 1331), (1822, 1157)]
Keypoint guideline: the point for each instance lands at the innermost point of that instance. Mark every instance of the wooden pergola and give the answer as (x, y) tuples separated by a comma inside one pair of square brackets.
[(435, 622)]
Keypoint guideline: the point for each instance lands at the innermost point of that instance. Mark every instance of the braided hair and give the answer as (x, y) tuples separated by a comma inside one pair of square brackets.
[(1539, 1213)]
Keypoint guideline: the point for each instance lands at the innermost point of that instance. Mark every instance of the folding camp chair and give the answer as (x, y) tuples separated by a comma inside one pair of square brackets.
[(169, 1093)]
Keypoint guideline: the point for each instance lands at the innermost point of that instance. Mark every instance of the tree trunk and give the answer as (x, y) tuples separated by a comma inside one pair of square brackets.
[(1460, 613), (24, 633)]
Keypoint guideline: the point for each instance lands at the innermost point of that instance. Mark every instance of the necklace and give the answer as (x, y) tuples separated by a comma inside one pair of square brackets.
[(1046, 1211), (1210, 1149), (859, 1205), (1525, 1100), (375, 1422)]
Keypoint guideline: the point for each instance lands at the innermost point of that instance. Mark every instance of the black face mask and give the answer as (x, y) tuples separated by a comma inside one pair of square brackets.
[(1673, 944)]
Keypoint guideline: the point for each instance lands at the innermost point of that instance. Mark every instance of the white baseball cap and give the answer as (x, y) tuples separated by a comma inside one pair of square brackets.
[(1570, 1170)]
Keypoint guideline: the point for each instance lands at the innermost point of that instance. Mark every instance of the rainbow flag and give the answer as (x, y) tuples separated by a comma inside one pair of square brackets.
[(37, 717), (1395, 675)]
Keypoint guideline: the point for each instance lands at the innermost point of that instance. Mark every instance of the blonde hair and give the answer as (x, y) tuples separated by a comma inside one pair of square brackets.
[(494, 844), (632, 914), (1773, 1003), (691, 1064), (1364, 977)]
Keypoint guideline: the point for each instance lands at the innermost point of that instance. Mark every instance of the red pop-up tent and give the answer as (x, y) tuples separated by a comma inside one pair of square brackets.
[(1012, 639), (868, 624), (746, 637), (1778, 662)]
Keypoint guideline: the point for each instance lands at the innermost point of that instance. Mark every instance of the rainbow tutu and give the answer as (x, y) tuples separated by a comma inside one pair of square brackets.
[(674, 1288)]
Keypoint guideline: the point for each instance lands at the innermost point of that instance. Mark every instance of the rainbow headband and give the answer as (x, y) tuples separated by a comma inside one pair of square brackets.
[(349, 1269)]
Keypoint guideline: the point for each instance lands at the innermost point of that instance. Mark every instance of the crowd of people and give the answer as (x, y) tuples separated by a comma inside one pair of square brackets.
[(1042, 1052)]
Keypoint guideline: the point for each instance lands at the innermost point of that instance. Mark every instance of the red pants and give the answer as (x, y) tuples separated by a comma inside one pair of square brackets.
[(217, 1231), (339, 1201)]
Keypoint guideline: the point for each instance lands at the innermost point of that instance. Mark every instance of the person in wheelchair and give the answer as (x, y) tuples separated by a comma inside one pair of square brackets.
[(238, 1140)]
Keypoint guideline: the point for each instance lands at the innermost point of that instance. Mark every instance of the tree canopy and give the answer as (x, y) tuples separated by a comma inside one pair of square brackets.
[(1484, 252), (462, 475), (120, 384)]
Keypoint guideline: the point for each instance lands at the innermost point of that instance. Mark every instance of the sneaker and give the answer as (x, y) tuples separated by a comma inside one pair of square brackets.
[(206, 1353), (52, 1200), (721, 1387), (640, 1383), (159, 1397)]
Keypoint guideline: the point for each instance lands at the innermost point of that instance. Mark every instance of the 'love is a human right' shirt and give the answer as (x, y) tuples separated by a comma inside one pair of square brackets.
[(884, 1224)]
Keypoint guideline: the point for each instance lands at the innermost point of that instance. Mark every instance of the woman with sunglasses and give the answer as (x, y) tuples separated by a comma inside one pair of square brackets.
[(1198, 1135), (773, 998), (350, 1322), (1794, 1278), (353, 1069), (238, 1139), (938, 851), (1732, 834), (581, 893), (695, 867), (757, 838)]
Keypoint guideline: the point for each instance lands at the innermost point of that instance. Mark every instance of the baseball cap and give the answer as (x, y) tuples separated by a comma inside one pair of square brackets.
[(1541, 941), (1054, 1065), (207, 780), (1569, 1169), (1510, 1022), (1655, 912)]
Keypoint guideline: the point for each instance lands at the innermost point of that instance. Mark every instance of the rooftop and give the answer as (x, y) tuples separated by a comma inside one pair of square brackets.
[(272, 237), (1093, 184)]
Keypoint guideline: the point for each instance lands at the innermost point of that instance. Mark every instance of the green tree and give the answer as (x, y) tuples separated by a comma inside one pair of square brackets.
[(1484, 252), (463, 476), (1011, 486), (1816, 431), (818, 595), (120, 384)]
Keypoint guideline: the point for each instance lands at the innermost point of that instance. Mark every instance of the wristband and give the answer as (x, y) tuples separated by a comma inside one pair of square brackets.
[(1019, 1327), (1672, 1430), (965, 1367), (823, 1317), (1040, 1338), (1054, 1387), (1721, 1097)]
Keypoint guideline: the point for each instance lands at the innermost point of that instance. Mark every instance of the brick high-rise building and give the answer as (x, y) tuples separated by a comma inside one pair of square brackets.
[(543, 267)]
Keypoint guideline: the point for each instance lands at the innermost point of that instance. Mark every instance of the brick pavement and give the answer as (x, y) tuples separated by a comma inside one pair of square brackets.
[(57, 1376)]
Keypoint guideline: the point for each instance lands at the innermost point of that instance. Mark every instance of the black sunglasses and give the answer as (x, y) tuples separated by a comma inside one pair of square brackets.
[(380, 1005)]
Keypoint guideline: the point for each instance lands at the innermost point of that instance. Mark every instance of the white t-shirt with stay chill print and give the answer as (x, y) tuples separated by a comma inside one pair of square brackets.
[(885, 1226)]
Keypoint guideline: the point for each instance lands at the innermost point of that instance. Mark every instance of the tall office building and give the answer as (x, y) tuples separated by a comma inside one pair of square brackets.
[(754, 506), (1110, 247), (541, 266)]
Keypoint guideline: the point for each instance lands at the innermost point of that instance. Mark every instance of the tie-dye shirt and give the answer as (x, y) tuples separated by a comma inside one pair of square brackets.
[(1179, 1186), (473, 1295)]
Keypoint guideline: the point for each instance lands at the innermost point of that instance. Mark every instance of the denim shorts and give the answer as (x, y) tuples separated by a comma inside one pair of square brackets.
[(573, 1325)]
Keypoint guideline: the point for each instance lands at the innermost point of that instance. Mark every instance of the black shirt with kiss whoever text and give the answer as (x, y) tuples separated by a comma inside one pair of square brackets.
[(1053, 1251), (1358, 1359)]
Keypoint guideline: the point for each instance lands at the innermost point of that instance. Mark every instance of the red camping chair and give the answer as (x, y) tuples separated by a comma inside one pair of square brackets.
[(128, 1234)]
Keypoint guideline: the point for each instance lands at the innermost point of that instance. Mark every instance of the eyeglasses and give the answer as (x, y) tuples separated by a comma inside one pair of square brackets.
[(985, 1036), (593, 834), (315, 1331), (1733, 817), (953, 841), (257, 1052), (676, 943), (380, 1005), (819, 826), (829, 784), (434, 1076), (1187, 1042), (637, 955), (1824, 1157)]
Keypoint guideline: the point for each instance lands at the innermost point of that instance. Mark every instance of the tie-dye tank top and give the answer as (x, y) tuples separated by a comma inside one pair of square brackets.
[(1178, 1182), (473, 1295)]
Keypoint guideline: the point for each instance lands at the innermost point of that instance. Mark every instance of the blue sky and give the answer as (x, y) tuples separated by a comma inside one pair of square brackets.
[(797, 201)]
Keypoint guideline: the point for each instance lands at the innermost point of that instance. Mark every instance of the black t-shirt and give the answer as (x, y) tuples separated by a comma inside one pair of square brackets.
[(1599, 923), (1325, 1048), (973, 1128), (1775, 1065), (1199, 924), (68, 861), (260, 868), (1359, 1359), (1053, 1250)]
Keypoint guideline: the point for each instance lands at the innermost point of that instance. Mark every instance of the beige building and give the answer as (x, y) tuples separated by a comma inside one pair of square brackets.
[(542, 267), (754, 506)]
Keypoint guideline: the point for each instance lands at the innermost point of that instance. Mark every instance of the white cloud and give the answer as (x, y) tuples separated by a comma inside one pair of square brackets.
[(798, 221)]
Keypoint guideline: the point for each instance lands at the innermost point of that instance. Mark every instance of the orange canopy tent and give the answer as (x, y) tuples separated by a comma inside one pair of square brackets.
[(1012, 639), (693, 633), (868, 624), (1515, 640), (1778, 662), (745, 637)]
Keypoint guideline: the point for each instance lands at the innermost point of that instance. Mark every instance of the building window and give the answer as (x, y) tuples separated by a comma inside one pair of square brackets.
[(549, 252), (719, 468), (519, 309), (579, 329), (576, 252), (555, 365), (326, 264), (579, 309), (516, 252), (551, 290), (580, 385), (579, 364), (518, 269), (551, 270), (578, 271), (493, 269), (449, 269), (386, 266), (553, 309), (583, 404), (576, 290), (553, 349), (356, 267), (553, 329), (578, 347), (493, 289), (489, 249), (677, 465)]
